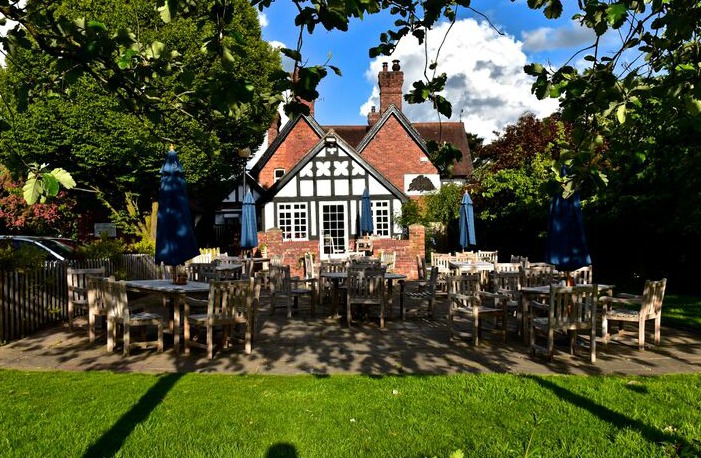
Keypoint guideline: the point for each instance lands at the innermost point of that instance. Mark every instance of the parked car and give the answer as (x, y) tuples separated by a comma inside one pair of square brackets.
[(55, 249)]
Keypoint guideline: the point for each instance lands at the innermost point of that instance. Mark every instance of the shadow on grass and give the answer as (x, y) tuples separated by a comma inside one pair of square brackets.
[(653, 435), (281, 450), (112, 440)]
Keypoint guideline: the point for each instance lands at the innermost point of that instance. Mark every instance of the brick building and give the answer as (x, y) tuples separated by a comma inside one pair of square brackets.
[(308, 182)]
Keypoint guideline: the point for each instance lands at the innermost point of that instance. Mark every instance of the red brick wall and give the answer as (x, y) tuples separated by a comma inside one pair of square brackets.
[(294, 250), (393, 152), (297, 144)]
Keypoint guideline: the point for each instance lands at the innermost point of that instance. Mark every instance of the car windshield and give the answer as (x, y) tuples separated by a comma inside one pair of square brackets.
[(58, 247)]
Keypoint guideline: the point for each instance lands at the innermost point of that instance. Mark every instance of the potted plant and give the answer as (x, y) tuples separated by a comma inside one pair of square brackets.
[(263, 250)]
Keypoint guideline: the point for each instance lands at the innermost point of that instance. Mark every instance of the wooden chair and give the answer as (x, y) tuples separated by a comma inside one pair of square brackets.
[(120, 314), (421, 270), (284, 292), (539, 274), (419, 293), (326, 285), (227, 260), (523, 260), (466, 298), (488, 256), (466, 256), (650, 308), (201, 271), (389, 260), (229, 304), (310, 275), (98, 290), (78, 291), (507, 267), (229, 273), (572, 309), (582, 276), (365, 288)]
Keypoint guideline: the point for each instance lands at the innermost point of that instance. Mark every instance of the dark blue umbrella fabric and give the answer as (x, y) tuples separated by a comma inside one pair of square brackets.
[(366, 225), (467, 222), (249, 229), (566, 246), (175, 238)]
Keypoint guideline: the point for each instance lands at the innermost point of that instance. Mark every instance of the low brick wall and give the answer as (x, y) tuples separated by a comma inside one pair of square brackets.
[(293, 251)]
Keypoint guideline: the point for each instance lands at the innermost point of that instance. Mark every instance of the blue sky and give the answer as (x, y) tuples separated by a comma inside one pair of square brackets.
[(487, 85)]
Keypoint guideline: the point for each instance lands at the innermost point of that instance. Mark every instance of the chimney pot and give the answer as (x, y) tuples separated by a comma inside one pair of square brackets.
[(395, 65), (384, 66)]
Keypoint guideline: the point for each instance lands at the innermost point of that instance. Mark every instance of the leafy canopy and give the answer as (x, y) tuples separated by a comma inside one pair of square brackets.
[(658, 52)]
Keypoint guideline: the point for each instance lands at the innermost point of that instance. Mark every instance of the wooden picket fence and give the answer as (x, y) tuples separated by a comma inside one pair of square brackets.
[(32, 300)]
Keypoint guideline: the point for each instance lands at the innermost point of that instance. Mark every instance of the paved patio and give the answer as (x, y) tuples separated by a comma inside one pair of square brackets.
[(305, 345)]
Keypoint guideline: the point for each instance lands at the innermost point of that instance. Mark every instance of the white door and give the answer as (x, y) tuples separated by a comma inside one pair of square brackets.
[(333, 218)]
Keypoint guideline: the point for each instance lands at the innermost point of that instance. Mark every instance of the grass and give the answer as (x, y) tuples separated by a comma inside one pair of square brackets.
[(105, 414), (684, 311)]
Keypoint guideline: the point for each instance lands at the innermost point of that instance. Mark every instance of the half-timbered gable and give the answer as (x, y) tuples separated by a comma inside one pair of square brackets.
[(319, 199), (399, 153)]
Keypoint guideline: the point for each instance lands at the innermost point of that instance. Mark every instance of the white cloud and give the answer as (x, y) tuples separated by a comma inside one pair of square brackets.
[(548, 38), (262, 19), (486, 83)]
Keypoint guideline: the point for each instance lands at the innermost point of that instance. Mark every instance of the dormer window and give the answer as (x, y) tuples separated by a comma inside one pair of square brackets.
[(278, 174)]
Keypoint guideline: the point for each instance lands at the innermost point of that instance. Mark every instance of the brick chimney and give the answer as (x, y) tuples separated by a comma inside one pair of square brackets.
[(390, 83)]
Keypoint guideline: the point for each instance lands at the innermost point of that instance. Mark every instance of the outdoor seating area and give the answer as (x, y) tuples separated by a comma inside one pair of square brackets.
[(260, 342), (226, 308)]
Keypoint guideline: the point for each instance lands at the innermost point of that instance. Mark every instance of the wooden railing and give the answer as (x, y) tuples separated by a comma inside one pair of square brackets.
[(31, 300)]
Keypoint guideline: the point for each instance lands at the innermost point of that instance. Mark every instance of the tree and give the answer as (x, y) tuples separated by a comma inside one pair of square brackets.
[(661, 35), (513, 184), (118, 152)]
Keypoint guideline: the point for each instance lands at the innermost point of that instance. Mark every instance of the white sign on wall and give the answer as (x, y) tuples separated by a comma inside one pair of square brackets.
[(108, 229)]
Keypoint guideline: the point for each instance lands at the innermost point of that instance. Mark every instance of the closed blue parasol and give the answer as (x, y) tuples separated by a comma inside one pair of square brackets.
[(249, 229), (366, 225), (566, 246), (175, 238), (467, 222)]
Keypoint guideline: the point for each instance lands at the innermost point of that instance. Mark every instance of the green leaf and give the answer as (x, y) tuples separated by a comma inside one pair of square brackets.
[(616, 14), (63, 177), (154, 50), (32, 189), (621, 113), (553, 10), (227, 59), (693, 106), (336, 70), (51, 185)]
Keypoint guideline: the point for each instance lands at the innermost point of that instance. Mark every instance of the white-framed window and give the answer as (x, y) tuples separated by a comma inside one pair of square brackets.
[(278, 174), (381, 217), (293, 220)]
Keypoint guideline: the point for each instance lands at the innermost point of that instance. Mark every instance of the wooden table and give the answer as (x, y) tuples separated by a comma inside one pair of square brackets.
[(468, 266), (175, 295), (529, 293), (336, 278)]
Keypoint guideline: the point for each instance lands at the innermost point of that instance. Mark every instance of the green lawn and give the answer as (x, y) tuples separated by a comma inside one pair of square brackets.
[(682, 311), (101, 413)]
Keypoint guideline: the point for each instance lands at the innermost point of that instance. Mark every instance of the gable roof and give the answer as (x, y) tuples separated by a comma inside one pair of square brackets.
[(451, 132), (342, 144), (357, 137), (403, 120), (284, 133), (353, 135)]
